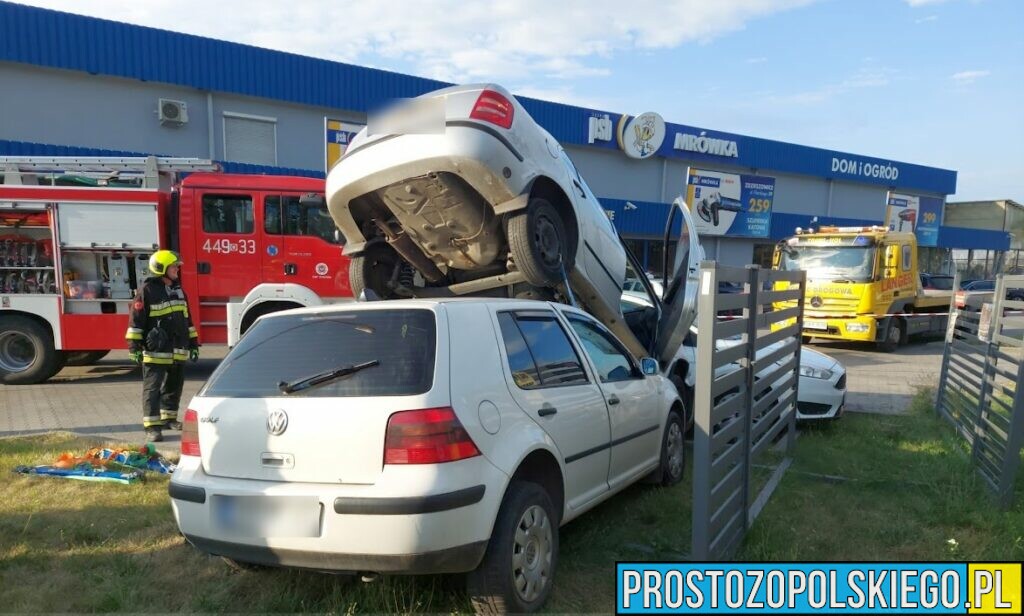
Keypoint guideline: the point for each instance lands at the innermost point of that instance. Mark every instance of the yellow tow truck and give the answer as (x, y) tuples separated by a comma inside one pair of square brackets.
[(863, 285)]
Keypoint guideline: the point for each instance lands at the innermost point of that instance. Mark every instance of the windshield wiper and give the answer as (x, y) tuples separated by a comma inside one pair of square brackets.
[(324, 377)]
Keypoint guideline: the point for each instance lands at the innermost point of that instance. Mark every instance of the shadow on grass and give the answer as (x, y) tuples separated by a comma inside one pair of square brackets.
[(884, 488)]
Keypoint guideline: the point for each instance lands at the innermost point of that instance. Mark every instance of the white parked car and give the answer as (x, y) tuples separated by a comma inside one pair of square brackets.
[(821, 393), (461, 192), (822, 390), (450, 435)]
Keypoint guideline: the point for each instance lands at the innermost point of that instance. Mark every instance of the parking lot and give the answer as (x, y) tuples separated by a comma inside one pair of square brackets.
[(105, 399)]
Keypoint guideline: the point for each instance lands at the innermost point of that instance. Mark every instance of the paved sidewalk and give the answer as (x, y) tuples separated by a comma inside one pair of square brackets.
[(105, 400)]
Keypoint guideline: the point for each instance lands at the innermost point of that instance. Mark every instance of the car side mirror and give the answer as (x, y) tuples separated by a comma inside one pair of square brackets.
[(313, 200), (649, 366)]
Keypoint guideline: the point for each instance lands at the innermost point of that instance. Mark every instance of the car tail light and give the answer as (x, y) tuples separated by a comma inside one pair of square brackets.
[(190, 434), (494, 108), (427, 436)]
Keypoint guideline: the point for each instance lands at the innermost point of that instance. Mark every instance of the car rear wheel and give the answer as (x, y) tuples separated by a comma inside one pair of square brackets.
[(373, 270), (538, 243), (517, 572)]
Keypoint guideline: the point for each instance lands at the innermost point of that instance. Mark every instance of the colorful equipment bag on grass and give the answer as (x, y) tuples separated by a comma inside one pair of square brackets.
[(105, 464)]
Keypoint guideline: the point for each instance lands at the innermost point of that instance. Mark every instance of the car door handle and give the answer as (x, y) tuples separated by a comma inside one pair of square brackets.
[(547, 411), (613, 400), (290, 269), (202, 267)]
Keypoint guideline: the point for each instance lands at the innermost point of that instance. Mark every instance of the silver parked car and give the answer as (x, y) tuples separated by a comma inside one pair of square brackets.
[(461, 192)]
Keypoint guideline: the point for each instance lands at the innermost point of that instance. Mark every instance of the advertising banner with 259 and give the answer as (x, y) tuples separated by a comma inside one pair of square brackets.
[(730, 204)]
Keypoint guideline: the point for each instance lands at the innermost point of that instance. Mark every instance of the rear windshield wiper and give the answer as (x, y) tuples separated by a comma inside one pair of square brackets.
[(324, 377)]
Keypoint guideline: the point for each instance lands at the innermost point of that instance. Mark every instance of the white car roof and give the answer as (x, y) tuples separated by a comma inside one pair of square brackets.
[(426, 303)]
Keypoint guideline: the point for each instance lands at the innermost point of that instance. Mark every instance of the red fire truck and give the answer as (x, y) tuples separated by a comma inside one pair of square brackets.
[(76, 235)]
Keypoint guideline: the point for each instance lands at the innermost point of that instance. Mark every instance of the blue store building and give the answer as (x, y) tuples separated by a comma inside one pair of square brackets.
[(77, 85)]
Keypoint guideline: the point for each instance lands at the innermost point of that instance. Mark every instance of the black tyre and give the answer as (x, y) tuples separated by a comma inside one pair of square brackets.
[(673, 451), (373, 270), (517, 572), (893, 337), (83, 358), (539, 244), (27, 355)]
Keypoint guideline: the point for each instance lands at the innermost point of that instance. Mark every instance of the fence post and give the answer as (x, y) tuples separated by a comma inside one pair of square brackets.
[(791, 437), (950, 328), (703, 406), (1014, 441), (753, 291)]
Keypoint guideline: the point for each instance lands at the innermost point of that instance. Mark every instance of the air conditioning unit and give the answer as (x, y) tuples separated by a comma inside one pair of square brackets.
[(172, 112)]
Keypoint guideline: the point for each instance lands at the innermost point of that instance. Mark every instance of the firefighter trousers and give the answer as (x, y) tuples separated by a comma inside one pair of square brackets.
[(161, 392)]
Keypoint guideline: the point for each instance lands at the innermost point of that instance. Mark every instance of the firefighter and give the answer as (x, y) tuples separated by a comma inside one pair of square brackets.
[(161, 337)]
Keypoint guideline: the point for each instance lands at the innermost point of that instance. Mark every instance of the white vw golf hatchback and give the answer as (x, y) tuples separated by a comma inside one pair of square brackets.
[(445, 436)]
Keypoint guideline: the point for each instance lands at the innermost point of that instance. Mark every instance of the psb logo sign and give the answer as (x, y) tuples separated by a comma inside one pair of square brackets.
[(277, 422), (640, 137), (322, 269)]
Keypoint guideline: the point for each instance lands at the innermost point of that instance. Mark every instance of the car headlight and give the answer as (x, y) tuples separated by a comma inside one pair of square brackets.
[(815, 373), (857, 327)]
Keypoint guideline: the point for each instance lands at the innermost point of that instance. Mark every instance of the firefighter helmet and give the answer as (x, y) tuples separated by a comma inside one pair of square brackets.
[(161, 260)]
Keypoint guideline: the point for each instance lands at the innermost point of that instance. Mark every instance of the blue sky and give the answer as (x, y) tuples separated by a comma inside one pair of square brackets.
[(933, 82)]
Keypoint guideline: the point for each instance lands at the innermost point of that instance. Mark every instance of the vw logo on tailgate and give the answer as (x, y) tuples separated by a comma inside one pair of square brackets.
[(277, 422)]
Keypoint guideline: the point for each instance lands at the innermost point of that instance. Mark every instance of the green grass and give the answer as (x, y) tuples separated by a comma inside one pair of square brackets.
[(69, 546)]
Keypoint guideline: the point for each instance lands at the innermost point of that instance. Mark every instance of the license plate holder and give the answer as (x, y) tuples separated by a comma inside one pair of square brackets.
[(818, 326), (258, 516)]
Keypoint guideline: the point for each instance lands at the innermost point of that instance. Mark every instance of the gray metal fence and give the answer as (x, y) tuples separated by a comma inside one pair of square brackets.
[(748, 362), (979, 385)]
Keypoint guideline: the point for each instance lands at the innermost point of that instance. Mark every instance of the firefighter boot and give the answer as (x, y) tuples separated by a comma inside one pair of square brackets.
[(154, 434)]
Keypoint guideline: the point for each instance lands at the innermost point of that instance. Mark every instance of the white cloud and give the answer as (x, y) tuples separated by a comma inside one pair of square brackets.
[(864, 78), (451, 40), (967, 77), (759, 60), (918, 3), (926, 19)]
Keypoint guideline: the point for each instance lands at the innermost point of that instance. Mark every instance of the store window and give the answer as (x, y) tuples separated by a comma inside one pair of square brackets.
[(763, 254)]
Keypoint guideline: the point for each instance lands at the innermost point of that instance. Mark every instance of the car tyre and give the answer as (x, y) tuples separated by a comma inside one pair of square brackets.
[(373, 269), (539, 244), (517, 572), (673, 450), (893, 337), (27, 353)]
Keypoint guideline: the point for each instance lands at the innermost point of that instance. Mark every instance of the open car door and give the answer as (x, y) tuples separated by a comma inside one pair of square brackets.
[(679, 303)]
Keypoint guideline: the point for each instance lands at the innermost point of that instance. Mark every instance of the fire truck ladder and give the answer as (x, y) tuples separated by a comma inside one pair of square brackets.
[(149, 171)]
